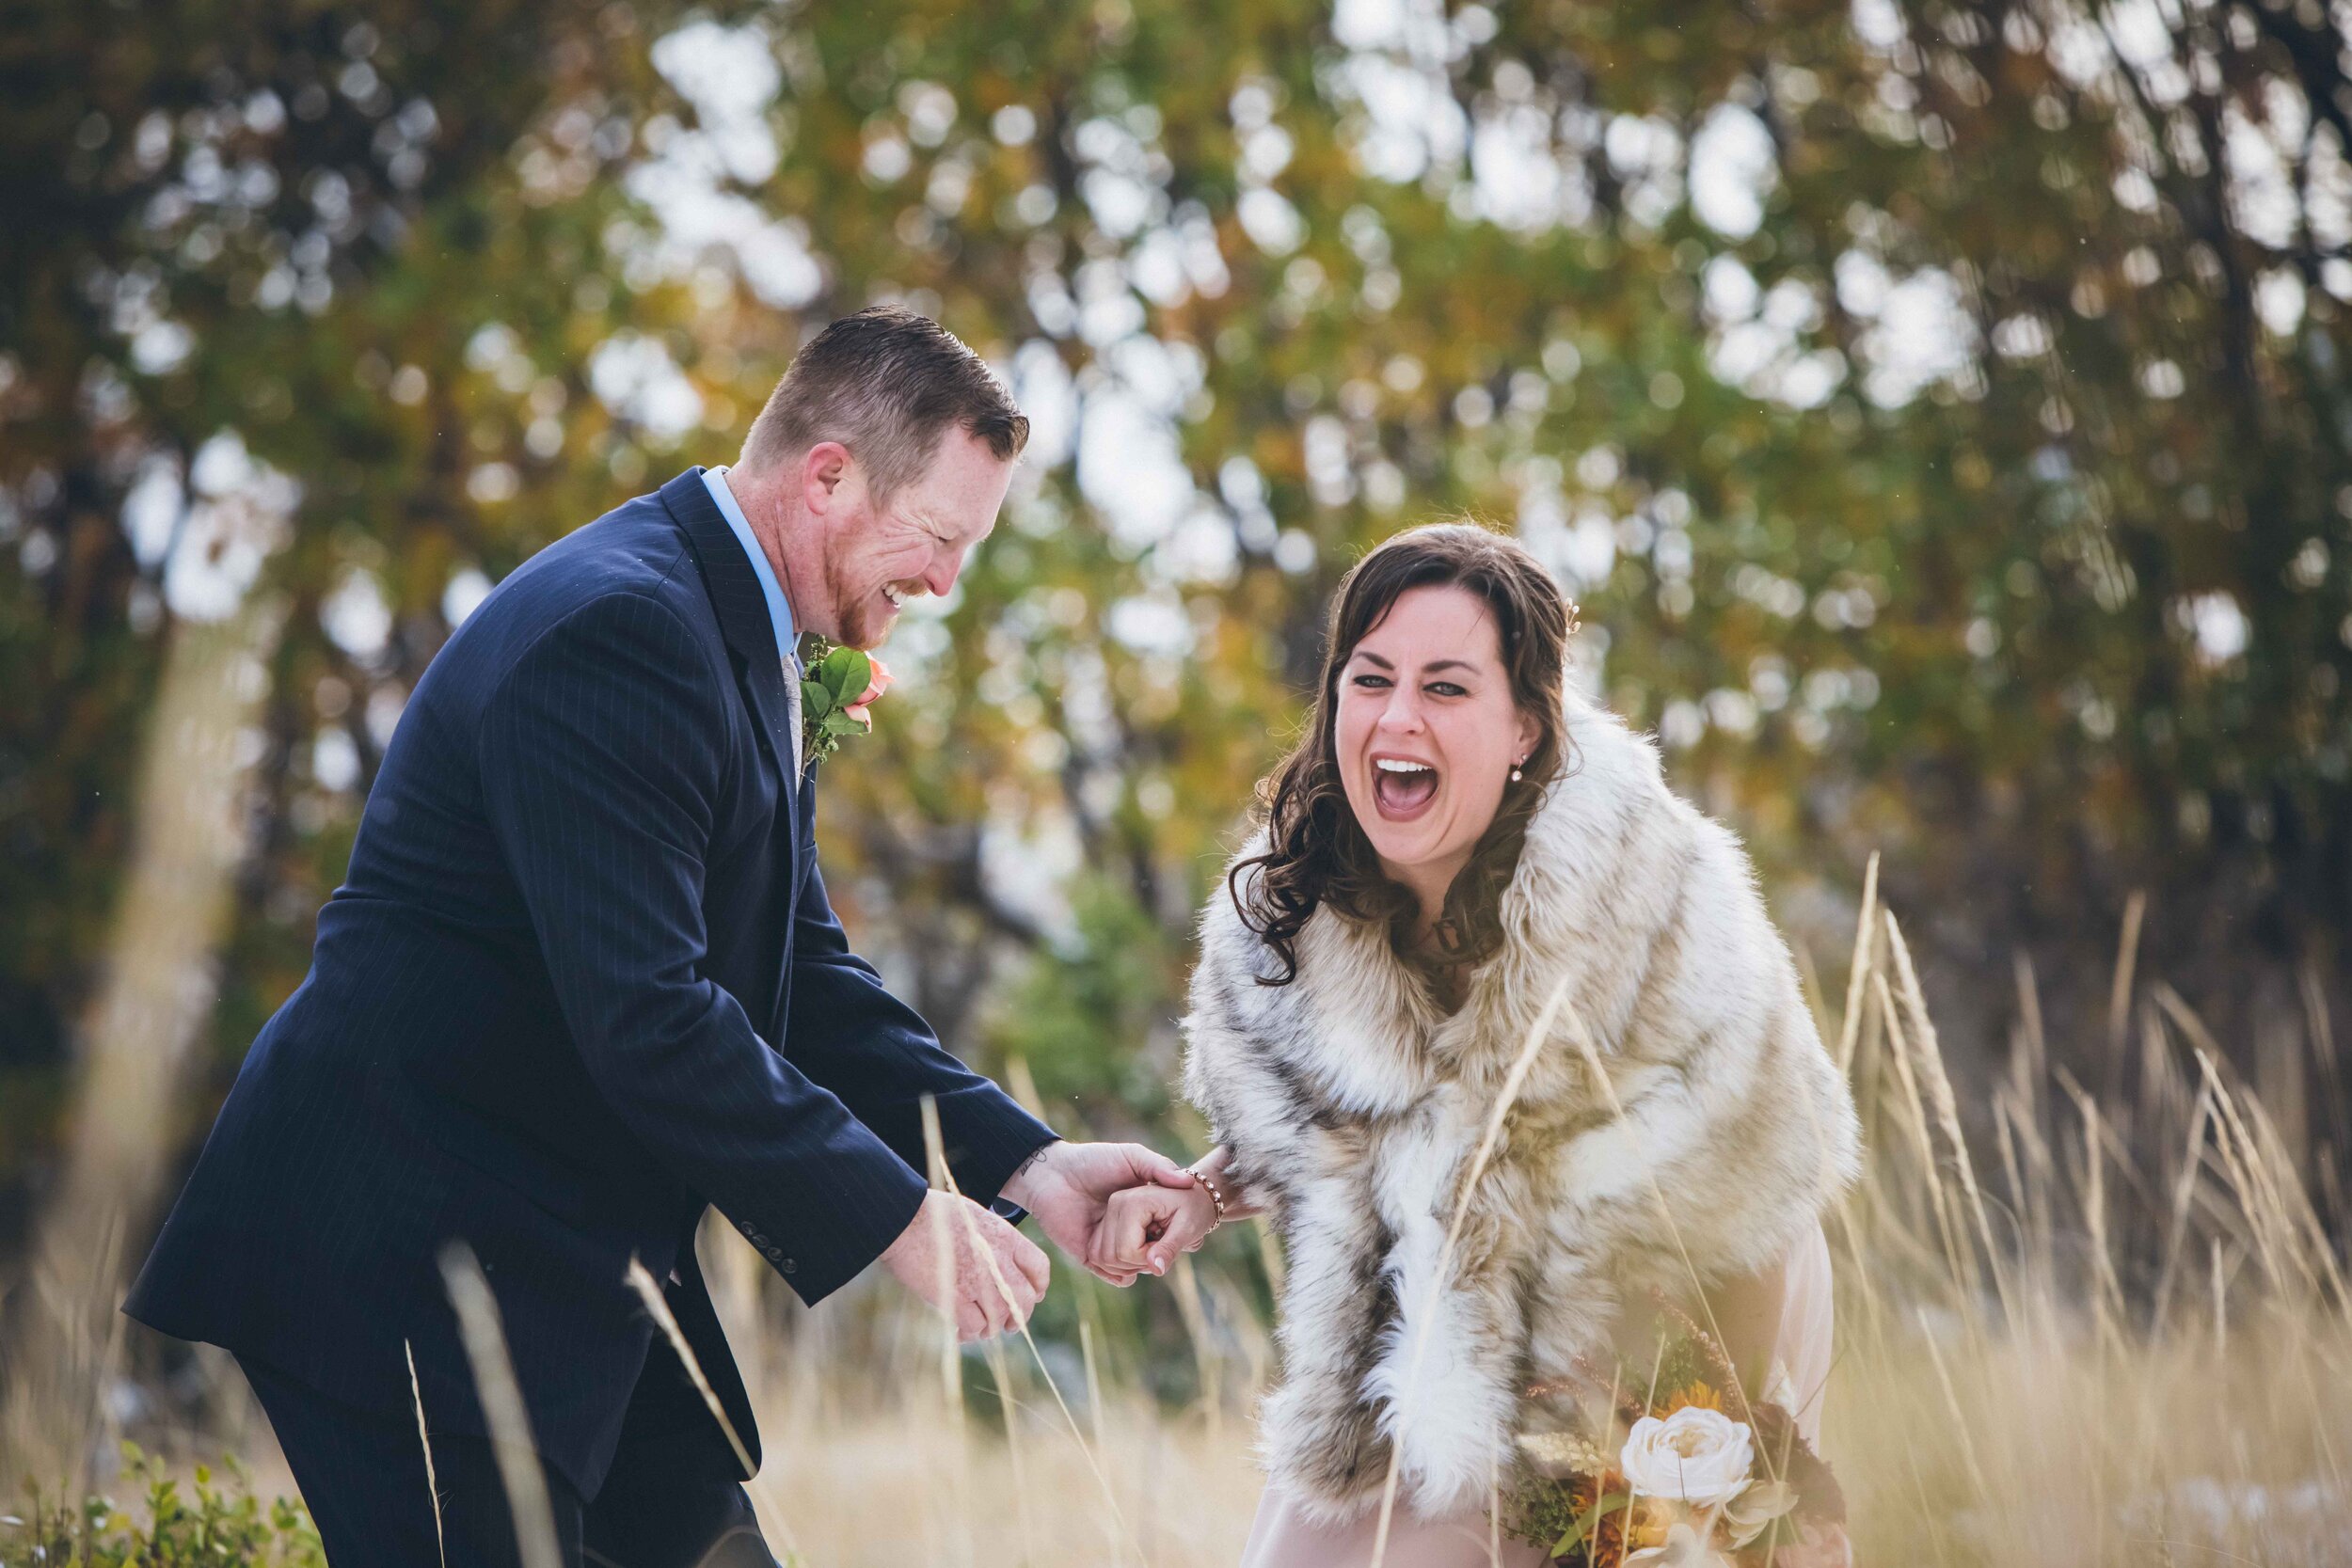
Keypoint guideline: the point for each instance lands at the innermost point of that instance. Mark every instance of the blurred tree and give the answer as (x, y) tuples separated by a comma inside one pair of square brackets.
[(247, 250), (1939, 410), (1939, 407)]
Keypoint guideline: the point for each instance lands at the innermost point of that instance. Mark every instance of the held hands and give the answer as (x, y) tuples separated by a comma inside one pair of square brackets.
[(945, 1256), (1145, 1227), (1069, 1187), (1118, 1209)]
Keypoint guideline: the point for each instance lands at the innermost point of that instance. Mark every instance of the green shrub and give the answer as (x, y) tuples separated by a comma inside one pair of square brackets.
[(208, 1526)]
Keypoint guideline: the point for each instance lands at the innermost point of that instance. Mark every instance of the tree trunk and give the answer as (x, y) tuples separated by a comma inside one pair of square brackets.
[(189, 836)]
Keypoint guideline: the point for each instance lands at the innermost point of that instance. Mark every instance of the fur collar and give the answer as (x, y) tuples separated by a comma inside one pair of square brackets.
[(1351, 1104)]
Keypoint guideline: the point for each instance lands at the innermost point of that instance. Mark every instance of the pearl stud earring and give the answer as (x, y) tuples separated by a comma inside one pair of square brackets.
[(1515, 770)]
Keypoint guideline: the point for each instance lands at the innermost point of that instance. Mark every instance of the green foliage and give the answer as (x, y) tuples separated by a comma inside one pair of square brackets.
[(1548, 1514), (315, 206), (2058, 614), (1087, 1012), (1682, 1362), (209, 1526), (835, 678), (1572, 1540)]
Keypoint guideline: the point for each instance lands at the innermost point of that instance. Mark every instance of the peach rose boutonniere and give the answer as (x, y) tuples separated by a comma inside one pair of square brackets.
[(838, 689)]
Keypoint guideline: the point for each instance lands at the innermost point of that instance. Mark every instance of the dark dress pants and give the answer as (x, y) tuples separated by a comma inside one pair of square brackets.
[(669, 1501)]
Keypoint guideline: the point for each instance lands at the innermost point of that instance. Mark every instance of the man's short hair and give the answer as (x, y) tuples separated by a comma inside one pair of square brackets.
[(885, 383)]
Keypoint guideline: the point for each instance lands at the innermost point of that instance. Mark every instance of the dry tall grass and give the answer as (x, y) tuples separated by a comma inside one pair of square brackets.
[(2051, 1350)]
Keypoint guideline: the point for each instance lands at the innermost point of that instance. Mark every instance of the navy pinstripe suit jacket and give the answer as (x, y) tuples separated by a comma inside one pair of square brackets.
[(582, 982)]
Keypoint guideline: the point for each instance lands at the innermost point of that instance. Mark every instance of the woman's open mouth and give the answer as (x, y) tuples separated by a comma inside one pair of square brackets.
[(1402, 788)]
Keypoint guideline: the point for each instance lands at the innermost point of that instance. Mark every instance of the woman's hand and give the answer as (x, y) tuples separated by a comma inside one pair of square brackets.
[(1143, 1229)]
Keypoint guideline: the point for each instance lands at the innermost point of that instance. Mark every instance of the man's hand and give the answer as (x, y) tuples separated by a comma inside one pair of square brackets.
[(1066, 1186), (943, 1257)]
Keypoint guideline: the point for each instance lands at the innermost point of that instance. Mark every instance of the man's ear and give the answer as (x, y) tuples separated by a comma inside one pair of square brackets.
[(822, 469)]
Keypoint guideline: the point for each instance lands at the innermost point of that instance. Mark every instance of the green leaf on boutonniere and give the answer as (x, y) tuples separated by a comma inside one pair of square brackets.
[(834, 678), (847, 672)]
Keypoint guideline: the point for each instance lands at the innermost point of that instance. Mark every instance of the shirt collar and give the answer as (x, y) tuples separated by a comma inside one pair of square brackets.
[(779, 610)]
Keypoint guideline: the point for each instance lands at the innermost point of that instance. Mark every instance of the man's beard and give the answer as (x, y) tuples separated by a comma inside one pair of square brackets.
[(863, 621)]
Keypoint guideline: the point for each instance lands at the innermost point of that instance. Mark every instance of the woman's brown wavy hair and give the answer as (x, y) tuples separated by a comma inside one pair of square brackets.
[(1316, 852)]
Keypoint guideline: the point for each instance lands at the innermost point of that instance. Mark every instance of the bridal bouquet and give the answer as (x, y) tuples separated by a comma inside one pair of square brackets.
[(1701, 1478)]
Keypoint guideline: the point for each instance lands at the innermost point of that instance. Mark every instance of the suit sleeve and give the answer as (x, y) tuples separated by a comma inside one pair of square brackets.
[(603, 764), (850, 1035)]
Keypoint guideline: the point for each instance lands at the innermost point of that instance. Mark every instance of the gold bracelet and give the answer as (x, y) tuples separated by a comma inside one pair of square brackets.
[(1209, 1185)]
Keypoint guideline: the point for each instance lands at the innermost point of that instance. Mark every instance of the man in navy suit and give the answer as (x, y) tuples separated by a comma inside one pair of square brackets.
[(582, 981)]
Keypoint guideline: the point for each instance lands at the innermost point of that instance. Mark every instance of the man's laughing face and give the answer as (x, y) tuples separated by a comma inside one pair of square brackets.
[(877, 557)]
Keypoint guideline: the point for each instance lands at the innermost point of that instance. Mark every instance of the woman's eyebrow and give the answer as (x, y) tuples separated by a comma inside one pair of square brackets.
[(1431, 668)]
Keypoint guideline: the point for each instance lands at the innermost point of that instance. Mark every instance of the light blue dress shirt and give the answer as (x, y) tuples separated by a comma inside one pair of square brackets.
[(779, 612)]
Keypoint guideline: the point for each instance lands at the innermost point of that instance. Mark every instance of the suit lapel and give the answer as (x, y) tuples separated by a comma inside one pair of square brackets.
[(743, 620), (742, 614)]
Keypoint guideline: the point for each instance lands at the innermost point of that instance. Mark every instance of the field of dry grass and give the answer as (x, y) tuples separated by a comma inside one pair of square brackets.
[(2052, 1350), (2091, 1333)]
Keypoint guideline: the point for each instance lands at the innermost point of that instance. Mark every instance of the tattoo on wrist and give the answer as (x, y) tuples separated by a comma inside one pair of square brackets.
[(1035, 1155)]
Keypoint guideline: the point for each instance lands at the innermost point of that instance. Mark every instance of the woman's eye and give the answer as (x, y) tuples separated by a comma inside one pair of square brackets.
[(1446, 689), (1372, 683)]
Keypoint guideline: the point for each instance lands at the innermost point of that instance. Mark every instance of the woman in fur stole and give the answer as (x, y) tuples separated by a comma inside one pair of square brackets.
[(1464, 862)]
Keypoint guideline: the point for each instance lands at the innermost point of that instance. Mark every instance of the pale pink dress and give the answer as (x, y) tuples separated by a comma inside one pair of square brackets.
[(1284, 1538)]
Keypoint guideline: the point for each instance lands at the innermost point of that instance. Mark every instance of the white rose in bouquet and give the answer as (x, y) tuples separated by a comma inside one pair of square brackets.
[(1698, 1456)]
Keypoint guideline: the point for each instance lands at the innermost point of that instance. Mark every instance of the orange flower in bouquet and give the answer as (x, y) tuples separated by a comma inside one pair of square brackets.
[(1695, 1476)]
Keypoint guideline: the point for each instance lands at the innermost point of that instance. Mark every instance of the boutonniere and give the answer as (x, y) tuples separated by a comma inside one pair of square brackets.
[(839, 686)]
